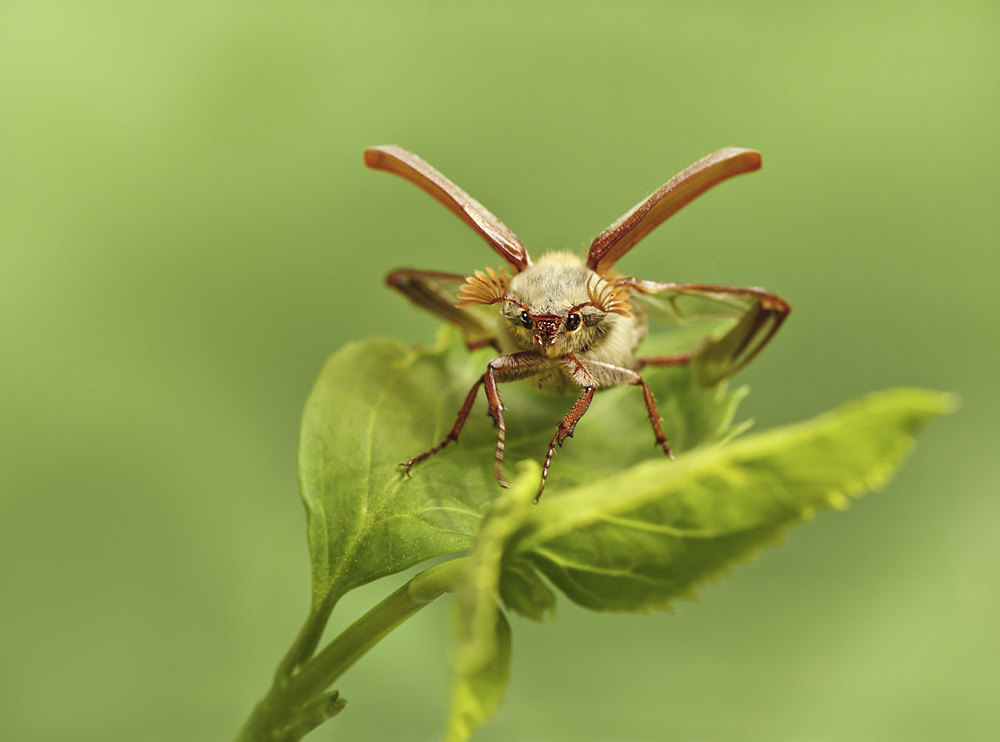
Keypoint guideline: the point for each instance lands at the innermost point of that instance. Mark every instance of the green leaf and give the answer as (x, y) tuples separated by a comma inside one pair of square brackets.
[(619, 527), (378, 403), (372, 408), (482, 644), (642, 538), (523, 591)]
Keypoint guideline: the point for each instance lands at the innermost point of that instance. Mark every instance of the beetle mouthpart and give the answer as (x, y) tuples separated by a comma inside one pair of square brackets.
[(546, 330)]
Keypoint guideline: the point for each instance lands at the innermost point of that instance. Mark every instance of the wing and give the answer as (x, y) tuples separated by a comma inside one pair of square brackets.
[(435, 292), (408, 165), (754, 315), (621, 236)]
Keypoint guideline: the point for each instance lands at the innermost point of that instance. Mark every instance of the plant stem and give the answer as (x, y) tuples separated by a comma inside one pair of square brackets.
[(307, 640), (296, 704)]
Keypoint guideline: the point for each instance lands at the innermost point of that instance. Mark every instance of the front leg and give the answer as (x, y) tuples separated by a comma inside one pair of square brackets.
[(575, 368), (513, 367), (505, 368)]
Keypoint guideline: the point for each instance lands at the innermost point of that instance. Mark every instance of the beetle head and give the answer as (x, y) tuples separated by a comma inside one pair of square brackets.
[(559, 306)]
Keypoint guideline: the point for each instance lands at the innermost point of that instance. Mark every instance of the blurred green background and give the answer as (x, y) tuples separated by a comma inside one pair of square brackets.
[(186, 231)]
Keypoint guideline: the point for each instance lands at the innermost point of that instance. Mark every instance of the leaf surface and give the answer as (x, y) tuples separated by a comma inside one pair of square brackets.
[(619, 528), (640, 539), (365, 518), (378, 403)]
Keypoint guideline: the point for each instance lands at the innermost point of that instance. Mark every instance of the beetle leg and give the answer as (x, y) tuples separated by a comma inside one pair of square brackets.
[(511, 367), (580, 373), (610, 375), (674, 359), (452, 437), (654, 418), (564, 431), (504, 368)]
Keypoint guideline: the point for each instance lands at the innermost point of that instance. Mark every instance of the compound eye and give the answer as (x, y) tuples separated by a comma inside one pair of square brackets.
[(526, 319), (572, 322)]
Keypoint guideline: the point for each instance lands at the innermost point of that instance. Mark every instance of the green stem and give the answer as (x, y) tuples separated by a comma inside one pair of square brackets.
[(296, 704), (308, 639)]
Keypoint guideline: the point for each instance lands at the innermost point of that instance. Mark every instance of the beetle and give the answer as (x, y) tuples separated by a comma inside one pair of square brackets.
[(573, 324)]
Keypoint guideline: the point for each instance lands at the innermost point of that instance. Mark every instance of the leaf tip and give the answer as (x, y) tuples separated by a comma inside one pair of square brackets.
[(950, 403)]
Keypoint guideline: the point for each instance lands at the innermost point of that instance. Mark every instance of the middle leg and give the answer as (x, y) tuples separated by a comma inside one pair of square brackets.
[(608, 374)]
